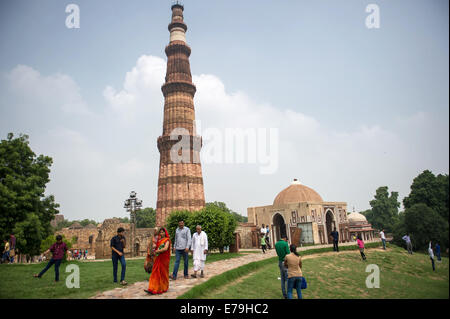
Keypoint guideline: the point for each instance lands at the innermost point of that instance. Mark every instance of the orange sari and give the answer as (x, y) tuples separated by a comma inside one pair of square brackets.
[(159, 280)]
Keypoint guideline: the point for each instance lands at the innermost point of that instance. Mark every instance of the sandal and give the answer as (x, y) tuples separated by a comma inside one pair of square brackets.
[(194, 276), (123, 283)]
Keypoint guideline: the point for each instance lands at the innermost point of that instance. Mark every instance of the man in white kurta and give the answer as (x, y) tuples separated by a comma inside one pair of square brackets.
[(199, 249)]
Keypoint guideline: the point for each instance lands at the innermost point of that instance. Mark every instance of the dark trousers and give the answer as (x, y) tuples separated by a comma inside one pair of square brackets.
[(57, 263), (335, 245), (263, 248), (268, 243), (361, 250), (432, 263), (384, 243), (115, 259), (438, 256), (178, 254)]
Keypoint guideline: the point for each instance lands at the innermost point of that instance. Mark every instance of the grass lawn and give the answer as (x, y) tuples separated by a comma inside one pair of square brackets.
[(343, 275), (17, 279)]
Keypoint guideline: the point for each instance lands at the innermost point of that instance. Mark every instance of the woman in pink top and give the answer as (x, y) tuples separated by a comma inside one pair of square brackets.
[(361, 246)]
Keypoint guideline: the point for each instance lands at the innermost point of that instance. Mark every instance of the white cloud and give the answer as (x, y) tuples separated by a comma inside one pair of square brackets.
[(98, 162)]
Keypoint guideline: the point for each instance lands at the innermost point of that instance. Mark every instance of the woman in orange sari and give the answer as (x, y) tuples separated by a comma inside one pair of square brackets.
[(159, 280)]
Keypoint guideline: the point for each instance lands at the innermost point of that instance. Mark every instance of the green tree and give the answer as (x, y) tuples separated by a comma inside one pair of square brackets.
[(238, 217), (146, 218), (384, 212), (424, 224), (124, 220), (23, 205), (430, 190), (86, 222), (219, 225), (63, 224)]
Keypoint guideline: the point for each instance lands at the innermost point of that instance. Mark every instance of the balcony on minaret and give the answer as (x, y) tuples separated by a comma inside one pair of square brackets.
[(177, 27)]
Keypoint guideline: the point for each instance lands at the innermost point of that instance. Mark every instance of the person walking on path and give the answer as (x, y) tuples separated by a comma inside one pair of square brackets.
[(430, 252), (335, 235), (282, 249), (58, 250), (263, 244), (383, 238), (268, 237), (361, 246), (118, 244), (407, 239), (293, 263), (181, 246), (199, 250), (159, 279), (5, 256), (438, 251)]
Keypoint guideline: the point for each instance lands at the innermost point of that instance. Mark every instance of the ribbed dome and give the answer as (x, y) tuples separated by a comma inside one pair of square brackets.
[(297, 193), (356, 218)]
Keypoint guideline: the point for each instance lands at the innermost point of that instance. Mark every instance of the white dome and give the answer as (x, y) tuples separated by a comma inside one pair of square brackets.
[(356, 218)]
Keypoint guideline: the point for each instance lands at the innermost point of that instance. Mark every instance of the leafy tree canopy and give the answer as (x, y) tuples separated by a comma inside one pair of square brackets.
[(384, 212), (430, 190), (239, 218), (24, 207), (146, 218)]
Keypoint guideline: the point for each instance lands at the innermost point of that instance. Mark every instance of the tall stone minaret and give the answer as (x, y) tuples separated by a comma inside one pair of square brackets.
[(180, 183)]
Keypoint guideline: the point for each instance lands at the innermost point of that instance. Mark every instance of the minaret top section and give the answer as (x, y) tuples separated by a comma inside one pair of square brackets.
[(177, 27)]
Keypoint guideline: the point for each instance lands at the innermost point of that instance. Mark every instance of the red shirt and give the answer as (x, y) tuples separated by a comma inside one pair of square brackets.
[(58, 250)]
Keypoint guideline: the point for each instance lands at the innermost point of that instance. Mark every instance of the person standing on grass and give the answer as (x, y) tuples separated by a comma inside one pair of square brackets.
[(430, 252), (268, 237), (181, 246), (361, 246), (117, 245), (383, 238), (199, 250), (263, 243), (5, 256), (438, 251), (58, 250), (335, 235), (293, 263), (282, 249), (407, 239)]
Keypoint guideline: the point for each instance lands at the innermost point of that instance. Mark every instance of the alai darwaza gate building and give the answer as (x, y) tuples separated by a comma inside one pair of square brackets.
[(299, 213)]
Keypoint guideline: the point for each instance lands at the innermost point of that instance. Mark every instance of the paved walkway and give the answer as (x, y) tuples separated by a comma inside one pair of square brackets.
[(181, 285)]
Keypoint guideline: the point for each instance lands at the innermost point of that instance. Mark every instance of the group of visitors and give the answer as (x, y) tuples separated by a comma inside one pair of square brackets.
[(183, 243), (78, 254), (9, 249), (290, 264)]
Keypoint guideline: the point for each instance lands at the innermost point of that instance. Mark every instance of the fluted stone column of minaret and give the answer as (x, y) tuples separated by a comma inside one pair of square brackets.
[(180, 184)]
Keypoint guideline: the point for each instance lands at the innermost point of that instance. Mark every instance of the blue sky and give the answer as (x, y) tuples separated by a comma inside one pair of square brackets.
[(357, 108)]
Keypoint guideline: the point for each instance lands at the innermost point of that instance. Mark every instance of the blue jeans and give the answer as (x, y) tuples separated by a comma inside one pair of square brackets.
[(284, 278), (52, 261), (115, 259), (178, 254), (291, 282), (384, 243)]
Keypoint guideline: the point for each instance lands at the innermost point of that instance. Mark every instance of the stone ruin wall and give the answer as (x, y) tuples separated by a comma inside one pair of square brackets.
[(82, 235)]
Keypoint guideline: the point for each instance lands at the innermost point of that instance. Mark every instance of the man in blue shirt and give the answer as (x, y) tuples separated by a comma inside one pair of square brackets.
[(181, 246), (407, 239), (335, 235), (118, 243)]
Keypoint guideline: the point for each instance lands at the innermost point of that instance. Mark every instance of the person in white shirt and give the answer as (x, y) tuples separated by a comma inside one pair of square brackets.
[(199, 249), (383, 239), (430, 252)]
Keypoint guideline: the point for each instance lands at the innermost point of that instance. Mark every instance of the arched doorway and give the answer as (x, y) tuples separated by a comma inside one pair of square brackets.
[(280, 227), (136, 249), (329, 221)]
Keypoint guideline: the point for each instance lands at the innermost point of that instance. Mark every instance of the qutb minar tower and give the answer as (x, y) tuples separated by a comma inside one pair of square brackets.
[(180, 183)]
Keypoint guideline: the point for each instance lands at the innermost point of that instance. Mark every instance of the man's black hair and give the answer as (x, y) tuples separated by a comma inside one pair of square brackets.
[(120, 229), (58, 237)]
